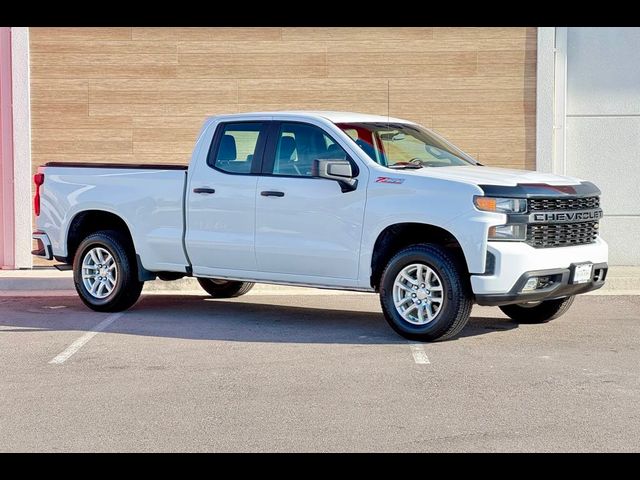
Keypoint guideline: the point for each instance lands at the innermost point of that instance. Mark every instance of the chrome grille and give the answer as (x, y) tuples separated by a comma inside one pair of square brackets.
[(545, 204), (561, 234)]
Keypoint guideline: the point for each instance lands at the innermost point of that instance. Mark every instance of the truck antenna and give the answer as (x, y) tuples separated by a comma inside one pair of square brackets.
[(388, 102)]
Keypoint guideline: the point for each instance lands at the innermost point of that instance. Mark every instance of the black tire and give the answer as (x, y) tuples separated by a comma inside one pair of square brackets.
[(224, 288), (540, 313), (127, 286), (456, 307)]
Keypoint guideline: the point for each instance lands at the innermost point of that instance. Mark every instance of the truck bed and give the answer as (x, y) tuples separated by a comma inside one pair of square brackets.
[(149, 198)]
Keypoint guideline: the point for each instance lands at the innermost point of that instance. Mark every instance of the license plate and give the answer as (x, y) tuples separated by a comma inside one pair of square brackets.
[(582, 273)]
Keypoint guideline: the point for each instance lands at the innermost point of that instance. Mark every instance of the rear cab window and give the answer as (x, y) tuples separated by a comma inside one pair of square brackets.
[(237, 147)]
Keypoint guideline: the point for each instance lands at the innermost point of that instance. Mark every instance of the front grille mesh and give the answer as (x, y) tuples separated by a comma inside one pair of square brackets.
[(561, 234), (546, 204)]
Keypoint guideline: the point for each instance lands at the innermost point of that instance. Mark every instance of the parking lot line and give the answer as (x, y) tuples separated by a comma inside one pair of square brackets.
[(419, 355), (80, 342)]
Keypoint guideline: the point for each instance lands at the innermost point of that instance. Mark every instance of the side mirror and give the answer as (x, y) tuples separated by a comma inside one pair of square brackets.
[(338, 170)]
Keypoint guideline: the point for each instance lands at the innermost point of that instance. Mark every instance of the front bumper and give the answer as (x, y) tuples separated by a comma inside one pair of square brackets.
[(515, 259), (561, 286)]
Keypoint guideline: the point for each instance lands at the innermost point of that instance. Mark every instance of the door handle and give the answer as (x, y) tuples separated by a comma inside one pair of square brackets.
[(271, 193), (205, 190)]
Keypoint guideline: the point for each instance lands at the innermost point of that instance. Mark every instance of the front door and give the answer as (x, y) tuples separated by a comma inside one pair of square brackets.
[(221, 200), (306, 226)]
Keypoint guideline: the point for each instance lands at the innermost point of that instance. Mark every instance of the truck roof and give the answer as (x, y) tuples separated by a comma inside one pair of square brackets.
[(335, 117)]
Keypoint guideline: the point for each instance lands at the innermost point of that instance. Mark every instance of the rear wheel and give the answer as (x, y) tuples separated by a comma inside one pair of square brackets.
[(537, 312), (218, 288), (105, 272), (424, 295)]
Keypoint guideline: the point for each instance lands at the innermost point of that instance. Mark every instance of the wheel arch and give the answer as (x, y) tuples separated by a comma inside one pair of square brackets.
[(86, 222), (397, 236)]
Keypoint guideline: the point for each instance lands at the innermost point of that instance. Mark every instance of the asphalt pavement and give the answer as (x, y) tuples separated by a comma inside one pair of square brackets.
[(302, 370)]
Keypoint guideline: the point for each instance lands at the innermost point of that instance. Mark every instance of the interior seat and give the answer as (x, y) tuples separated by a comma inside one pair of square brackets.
[(334, 152), (285, 164), (227, 150)]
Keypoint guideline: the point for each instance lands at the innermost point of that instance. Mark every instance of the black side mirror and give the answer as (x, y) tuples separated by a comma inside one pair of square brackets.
[(338, 170)]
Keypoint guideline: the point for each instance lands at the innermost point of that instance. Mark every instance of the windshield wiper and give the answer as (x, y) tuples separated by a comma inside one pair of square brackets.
[(413, 166)]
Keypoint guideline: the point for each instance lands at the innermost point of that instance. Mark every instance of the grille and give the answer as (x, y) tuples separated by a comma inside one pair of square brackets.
[(544, 204), (562, 234)]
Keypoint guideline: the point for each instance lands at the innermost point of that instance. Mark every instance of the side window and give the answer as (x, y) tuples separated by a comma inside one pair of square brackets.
[(236, 147), (298, 145)]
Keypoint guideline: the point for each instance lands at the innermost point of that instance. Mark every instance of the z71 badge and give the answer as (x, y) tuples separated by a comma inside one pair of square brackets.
[(389, 180)]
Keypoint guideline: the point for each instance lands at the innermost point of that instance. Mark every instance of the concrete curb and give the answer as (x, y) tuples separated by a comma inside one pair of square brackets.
[(620, 281)]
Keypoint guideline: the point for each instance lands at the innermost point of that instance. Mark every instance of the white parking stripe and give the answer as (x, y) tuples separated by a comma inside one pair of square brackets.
[(80, 342), (419, 355)]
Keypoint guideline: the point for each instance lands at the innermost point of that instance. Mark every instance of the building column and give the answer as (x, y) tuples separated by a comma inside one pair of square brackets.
[(551, 93), (21, 146), (7, 244), (15, 149)]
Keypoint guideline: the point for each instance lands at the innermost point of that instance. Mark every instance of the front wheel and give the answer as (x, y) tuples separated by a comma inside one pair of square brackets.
[(105, 272), (424, 293), (537, 312), (218, 288)]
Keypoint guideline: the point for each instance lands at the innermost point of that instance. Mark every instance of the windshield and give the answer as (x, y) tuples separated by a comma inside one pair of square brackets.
[(401, 145)]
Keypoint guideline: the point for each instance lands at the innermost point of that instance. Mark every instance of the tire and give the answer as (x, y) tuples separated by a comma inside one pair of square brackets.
[(224, 288), (454, 294), (125, 289), (539, 313)]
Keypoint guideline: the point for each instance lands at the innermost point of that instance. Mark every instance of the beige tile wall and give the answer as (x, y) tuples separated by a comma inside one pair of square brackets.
[(140, 94)]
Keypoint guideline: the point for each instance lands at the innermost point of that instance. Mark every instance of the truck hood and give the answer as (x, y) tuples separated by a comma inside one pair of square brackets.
[(477, 175)]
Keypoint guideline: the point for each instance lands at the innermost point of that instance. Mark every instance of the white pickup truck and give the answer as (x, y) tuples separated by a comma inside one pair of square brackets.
[(333, 200)]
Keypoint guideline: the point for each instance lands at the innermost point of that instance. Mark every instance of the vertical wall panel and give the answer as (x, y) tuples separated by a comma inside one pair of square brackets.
[(603, 128)]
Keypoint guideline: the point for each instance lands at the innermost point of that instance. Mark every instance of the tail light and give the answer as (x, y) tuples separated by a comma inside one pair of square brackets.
[(38, 179)]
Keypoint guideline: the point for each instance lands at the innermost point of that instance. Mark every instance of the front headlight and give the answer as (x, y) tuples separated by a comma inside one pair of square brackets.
[(500, 205), (514, 232)]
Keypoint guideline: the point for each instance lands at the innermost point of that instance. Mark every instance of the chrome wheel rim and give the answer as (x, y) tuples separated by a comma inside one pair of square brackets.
[(99, 272), (417, 294)]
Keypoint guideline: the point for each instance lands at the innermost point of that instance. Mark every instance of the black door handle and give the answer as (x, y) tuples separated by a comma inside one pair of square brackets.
[(204, 190), (270, 193)]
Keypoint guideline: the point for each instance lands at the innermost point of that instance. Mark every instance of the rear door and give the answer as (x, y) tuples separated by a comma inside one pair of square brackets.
[(306, 226), (221, 200)]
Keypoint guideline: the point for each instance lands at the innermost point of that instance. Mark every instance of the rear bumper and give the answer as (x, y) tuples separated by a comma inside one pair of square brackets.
[(561, 286), (44, 249)]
